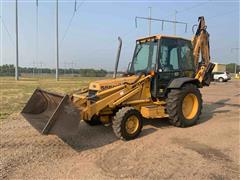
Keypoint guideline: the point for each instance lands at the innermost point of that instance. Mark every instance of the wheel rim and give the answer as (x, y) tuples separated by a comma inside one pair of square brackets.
[(190, 106), (132, 124)]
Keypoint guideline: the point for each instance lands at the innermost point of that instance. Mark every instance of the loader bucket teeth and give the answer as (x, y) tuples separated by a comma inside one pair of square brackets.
[(51, 113)]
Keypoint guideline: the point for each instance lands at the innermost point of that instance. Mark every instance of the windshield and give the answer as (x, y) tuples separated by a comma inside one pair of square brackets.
[(144, 58)]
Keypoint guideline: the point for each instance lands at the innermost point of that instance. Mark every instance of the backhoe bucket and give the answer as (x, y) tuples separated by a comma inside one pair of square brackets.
[(208, 74), (51, 113)]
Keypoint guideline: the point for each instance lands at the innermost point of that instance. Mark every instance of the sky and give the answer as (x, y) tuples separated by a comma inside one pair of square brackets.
[(88, 37)]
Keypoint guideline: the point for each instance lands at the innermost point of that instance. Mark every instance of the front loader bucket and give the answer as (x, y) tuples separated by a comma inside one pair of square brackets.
[(51, 113)]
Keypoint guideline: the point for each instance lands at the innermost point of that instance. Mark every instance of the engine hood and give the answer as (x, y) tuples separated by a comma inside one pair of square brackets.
[(109, 83)]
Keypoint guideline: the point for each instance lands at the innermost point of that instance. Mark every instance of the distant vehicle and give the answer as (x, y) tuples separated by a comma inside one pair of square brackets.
[(221, 76)]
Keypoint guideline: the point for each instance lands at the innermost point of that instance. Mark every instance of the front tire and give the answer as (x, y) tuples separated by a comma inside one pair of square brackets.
[(127, 123), (184, 105)]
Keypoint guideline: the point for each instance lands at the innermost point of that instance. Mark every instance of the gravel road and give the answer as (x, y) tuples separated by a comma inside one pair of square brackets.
[(208, 150)]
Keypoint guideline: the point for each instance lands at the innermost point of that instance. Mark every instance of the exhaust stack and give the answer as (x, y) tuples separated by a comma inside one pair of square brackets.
[(118, 57)]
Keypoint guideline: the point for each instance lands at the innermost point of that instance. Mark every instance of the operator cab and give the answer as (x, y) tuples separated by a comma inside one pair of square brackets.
[(170, 57)]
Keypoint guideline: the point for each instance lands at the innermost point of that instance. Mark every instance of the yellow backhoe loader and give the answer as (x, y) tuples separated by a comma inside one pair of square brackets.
[(163, 80)]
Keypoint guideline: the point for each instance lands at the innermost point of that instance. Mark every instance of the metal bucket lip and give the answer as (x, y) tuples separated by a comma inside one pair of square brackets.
[(49, 92), (38, 89)]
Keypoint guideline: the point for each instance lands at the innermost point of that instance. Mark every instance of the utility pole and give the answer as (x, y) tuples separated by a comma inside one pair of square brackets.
[(41, 66), (36, 38), (57, 42), (33, 68), (160, 20), (16, 67), (175, 19), (149, 21), (235, 67), (64, 69), (72, 67)]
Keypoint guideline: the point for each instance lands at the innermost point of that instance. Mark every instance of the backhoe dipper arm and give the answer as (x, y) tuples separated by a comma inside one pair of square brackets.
[(200, 43)]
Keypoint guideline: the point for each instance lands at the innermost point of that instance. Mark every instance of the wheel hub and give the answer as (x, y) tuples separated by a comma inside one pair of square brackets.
[(190, 106), (132, 124)]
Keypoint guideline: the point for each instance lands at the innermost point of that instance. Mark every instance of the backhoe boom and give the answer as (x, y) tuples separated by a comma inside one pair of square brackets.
[(200, 43)]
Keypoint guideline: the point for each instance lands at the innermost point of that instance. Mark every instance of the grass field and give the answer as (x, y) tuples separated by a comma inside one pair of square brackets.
[(14, 94)]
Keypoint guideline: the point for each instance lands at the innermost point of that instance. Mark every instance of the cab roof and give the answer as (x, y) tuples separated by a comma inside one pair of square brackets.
[(158, 36)]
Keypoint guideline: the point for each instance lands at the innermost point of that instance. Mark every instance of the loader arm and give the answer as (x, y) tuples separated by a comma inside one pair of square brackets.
[(112, 97)]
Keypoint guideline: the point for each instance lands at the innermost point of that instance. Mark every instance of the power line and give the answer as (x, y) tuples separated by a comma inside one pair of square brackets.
[(128, 32), (216, 16), (179, 11), (192, 7), (187, 9), (80, 5), (9, 34), (68, 26), (76, 8), (220, 15), (223, 14)]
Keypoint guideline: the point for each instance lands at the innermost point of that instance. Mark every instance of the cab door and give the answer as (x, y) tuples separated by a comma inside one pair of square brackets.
[(168, 65)]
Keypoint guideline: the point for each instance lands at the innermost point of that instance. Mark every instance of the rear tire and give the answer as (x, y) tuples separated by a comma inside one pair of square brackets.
[(184, 105), (94, 121), (127, 123), (220, 79)]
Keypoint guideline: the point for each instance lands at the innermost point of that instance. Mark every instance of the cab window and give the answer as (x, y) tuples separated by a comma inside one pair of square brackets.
[(144, 58), (169, 58), (186, 55)]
